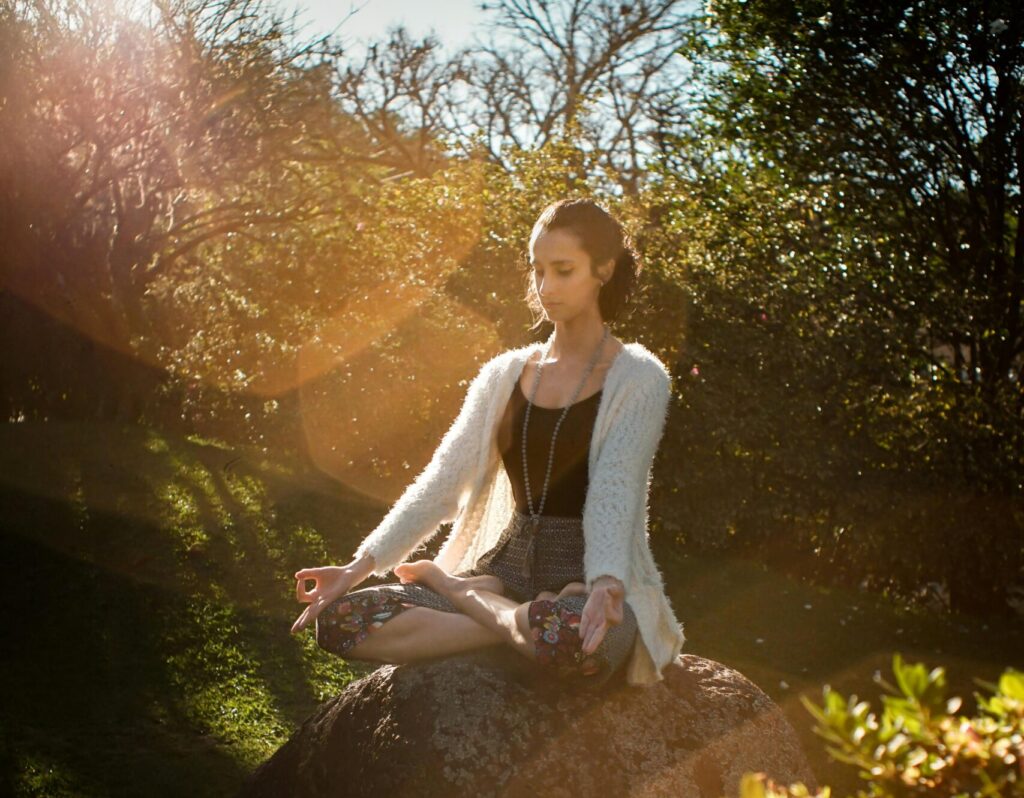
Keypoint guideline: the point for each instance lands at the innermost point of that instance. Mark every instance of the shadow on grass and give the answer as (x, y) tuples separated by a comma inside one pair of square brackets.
[(146, 607), (89, 705)]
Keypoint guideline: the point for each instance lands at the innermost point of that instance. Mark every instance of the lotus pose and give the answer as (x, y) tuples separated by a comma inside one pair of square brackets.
[(545, 474)]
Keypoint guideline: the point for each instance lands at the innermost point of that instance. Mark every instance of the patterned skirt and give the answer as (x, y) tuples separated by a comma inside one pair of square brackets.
[(527, 563)]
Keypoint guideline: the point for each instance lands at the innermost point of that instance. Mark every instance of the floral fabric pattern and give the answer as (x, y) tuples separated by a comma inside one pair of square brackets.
[(556, 638), (349, 620), (558, 548)]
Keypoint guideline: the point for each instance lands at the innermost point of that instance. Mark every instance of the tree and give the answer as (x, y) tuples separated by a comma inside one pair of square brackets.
[(600, 74), (913, 114)]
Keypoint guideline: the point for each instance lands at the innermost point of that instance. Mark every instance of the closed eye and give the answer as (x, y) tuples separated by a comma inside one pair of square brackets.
[(539, 273)]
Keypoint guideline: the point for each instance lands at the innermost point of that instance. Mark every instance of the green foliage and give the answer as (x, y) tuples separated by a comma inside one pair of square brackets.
[(757, 785), (919, 746), (854, 387), (866, 107), (163, 613), (200, 238)]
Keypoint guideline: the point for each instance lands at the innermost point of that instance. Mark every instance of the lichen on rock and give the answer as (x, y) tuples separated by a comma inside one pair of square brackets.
[(491, 723)]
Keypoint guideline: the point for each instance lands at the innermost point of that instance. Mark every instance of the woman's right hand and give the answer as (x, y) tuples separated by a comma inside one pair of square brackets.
[(331, 581)]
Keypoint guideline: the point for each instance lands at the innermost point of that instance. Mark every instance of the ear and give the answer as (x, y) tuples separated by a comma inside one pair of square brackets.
[(606, 270)]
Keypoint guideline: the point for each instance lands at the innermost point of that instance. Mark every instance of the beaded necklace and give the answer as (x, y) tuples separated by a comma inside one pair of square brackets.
[(535, 516)]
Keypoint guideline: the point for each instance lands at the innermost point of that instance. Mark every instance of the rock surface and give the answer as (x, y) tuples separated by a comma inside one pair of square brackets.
[(482, 724)]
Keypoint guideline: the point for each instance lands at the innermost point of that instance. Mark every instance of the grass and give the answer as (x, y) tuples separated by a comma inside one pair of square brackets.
[(146, 609), (148, 596)]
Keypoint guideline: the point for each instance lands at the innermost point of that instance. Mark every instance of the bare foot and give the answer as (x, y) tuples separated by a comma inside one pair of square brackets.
[(571, 589), (434, 577)]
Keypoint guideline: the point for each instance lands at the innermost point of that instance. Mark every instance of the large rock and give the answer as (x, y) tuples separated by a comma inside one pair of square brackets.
[(482, 724)]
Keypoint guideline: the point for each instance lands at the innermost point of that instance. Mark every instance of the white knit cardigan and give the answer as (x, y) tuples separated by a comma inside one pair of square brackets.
[(466, 482)]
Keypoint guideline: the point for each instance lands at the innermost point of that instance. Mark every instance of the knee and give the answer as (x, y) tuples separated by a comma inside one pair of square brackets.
[(349, 627), (330, 631), (554, 630)]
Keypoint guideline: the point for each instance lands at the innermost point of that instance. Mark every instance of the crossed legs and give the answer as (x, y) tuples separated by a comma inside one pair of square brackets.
[(505, 616), (485, 617)]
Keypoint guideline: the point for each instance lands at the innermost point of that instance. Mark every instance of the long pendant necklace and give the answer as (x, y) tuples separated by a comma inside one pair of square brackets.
[(535, 516)]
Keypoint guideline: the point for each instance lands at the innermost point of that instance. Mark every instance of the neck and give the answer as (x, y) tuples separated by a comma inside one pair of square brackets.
[(575, 340)]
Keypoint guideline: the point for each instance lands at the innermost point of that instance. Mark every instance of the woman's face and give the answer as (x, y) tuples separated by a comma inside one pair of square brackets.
[(562, 275)]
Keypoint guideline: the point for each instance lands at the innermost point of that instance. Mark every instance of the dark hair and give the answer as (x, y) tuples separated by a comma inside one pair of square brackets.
[(600, 236)]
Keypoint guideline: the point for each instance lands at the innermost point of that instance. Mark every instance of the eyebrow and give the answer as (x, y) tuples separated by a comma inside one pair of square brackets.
[(553, 263)]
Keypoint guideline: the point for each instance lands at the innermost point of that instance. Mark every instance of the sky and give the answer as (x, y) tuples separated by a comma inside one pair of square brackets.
[(453, 21)]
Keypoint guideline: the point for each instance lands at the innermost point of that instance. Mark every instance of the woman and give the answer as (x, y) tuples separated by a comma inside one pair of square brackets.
[(545, 474)]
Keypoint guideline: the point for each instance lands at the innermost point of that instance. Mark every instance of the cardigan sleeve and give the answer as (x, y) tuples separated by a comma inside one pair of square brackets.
[(622, 478), (435, 495)]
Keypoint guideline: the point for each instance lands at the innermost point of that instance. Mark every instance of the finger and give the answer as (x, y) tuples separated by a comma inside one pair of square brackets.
[(587, 617), (300, 622), (310, 613), (613, 610), (313, 610), (593, 639), (301, 594)]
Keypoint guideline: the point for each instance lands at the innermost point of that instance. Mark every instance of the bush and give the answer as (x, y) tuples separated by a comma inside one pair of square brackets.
[(919, 746)]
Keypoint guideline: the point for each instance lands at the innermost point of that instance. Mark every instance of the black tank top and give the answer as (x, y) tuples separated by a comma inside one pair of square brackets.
[(570, 471)]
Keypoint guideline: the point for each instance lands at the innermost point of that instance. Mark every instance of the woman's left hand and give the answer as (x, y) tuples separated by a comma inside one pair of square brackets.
[(602, 610)]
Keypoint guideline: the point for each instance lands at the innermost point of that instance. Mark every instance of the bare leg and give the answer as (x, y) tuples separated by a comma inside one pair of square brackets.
[(483, 582), (501, 614), (571, 589), (421, 633), (498, 613)]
